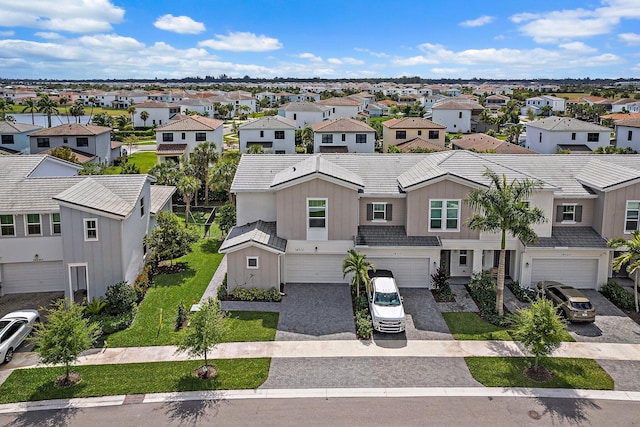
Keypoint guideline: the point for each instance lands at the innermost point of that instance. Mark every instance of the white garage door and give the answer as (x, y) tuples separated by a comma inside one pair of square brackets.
[(408, 272), (314, 269), (580, 273), (32, 277)]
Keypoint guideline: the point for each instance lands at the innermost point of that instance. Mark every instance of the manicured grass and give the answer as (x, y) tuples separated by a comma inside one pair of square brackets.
[(567, 373), (470, 326), (144, 159), (135, 378), (246, 326)]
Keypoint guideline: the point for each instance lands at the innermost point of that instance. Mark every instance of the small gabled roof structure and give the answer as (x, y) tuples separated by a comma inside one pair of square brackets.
[(316, 166), (258, 233), (483, 142), (160, 195), (14, 128), (171, 149)]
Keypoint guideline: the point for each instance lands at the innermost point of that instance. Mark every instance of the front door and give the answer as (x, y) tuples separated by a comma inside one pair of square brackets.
[(79, 282), (445, 261)]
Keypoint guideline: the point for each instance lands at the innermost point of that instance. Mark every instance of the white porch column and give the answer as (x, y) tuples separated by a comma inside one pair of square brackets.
[(477, 261)]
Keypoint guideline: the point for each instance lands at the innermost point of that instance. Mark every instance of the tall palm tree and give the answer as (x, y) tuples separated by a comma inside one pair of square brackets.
[(30, 106), (221, 176), (504, 207), (131, 110), (77, 110), (144, 116), (64, 101), (188, 187), (92, 101), (631, 256), (357, 265), (166, 173), (47, 106), (205, 154)]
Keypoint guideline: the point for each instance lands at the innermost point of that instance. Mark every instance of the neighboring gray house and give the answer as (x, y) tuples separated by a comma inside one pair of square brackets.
[(553, 134), (274, 133), (343, 136), (628, 134), (305, 113), (92, 143), (177, 140), (15, 137), (77, 234)]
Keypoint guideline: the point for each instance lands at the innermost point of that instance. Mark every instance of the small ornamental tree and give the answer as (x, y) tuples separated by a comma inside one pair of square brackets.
[(64, 153), (357, 265), (170, 239), (539, 329), (205, 331), (226, 216), (66, 335)]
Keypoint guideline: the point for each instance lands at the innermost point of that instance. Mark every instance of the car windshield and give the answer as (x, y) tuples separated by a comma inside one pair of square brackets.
[(4, 324), (581, 305), (386, 298)]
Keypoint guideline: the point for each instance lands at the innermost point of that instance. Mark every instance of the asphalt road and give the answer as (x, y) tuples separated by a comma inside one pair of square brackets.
[(437, 411)]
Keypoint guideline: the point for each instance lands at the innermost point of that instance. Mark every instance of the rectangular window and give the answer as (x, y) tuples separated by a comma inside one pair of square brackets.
[(444, 215), (34, 227), (568, 213), (7, 226), (463, 257), (90, 229), (629, 136), (401, 134), (201, 136), (327, 139), (279, 134), (252, 262), (379, 211), (7, 139), (573, 136), (82, 142), (344, 137), (631, 216), (540, 137), (56, 226), (419, 132), (361, 138), (317, 213), (65, 140), (141, 206), (42, 142), (281, 152), (167, 137), (460, 114), (261, 134), (593, 137), (434, 134)]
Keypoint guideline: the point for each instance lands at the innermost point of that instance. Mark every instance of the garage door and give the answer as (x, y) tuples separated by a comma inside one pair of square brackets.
[(580, 273), (408, 272), (32, 277), (314, 269)]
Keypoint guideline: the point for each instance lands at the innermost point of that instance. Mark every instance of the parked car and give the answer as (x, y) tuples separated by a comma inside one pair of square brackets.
[(571, 303), (385, 302), (14, 328)]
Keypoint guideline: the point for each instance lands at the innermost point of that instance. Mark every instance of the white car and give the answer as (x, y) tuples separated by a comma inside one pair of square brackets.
[(14, 328), (385, 303)]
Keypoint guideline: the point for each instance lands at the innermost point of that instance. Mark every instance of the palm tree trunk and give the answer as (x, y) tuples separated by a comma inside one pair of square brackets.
[(635, 289), (206, 186), (500, 284), (33, 120)]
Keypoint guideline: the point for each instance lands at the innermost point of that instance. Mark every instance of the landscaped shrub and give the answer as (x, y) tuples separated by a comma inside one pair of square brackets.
[(182, 316), (364, 327), (441, 289), (221, 292), (120, 298), (482, 289), (523, 295), (113, 323), (360, 303), (143, 282), (94, 307), (254, 294), (618, 295)]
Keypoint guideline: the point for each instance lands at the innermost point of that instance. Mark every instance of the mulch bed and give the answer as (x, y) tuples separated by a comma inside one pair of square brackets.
[(206, 372), (73, 379), (539, 374), (442, 298)]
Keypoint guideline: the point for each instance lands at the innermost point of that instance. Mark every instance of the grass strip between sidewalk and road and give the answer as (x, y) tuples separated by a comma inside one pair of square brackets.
[(134, 378), (567, 373), (471, 327)]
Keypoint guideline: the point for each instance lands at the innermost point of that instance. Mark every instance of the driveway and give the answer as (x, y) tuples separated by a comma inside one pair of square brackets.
[(611, 325)]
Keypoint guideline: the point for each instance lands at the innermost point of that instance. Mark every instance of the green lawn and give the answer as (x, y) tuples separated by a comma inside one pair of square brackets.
[(135, 378), (247, 326), (144, 159), (470, 326), (567, 373)]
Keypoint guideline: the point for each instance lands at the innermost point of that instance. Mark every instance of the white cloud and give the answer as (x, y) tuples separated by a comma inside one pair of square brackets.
[(372, 53), (478, 22), (310, 57), (6, 33), (74, 16), (345, 60), (335, 61), (48, 35), (414, 60), (630, 38), (242, 42), (578, 47), (179, 24)]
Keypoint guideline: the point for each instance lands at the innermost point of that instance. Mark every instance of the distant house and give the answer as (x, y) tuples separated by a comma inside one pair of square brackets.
[(202, 106), (457, 115), (15, 137), (376, 109), (305, 113), (343, 136), (397, 131), (627, 105), (92, 143), (274, 134), (483, 143), (160, 113), (628, 134), (177, 140), (536, 103), (344, 107), (496, 101), (553, 134)]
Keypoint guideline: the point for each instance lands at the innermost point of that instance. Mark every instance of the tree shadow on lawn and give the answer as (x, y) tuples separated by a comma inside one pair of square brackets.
[(210, 246), (174, 279)]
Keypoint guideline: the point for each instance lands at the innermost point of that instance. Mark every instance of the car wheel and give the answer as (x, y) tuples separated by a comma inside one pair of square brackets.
[(8, 355)]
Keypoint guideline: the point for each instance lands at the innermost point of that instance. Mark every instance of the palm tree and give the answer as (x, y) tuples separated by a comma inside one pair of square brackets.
[(221, 176), (188, 187), (205, 154), (166, 173), (357, 265), (514, 132), (30, 106), (121, 122), (144, 116), (131, 110), (47, 106), (631, 256), (503, 207), (77, 110), (92, 101), (64, 101)]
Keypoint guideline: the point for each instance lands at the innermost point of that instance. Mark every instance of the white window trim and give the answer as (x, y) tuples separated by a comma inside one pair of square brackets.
[(384, 212), (569, 221), (143, 207), (463, 253), (13, 224), (626, 211), (85, 222), (318, 233), (26, 225), (52, 222), (257, 266), (443, 218)]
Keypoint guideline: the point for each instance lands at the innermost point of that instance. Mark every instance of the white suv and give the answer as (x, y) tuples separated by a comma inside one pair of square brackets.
[(385, 303)]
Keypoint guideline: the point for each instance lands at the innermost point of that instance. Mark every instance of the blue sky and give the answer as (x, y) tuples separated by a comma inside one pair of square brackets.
[(499, 39)]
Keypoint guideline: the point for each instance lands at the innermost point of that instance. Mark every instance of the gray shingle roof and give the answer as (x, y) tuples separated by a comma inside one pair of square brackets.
[(304, 106), (13, 128), (392, 235), (316, 165), (600, 174), (260, 232), (160, 195), (269, 122), (571, 237)]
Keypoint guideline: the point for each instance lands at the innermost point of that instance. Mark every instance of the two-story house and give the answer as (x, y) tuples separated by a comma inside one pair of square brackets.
[(343, 136), (177, 140), (536, 103), (553, 134), (298, 215), (77, 234), (89, 142), (15, 137), (457, 115), (305, 113), (398, 131), (628, 134), (158, 113), (274, 134)]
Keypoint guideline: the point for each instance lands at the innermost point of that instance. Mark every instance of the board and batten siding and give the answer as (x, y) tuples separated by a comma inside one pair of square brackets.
[(586, 211), (614, 210), (418, 209), (134, 229), (263, 277), (342, 209), (399, 211)]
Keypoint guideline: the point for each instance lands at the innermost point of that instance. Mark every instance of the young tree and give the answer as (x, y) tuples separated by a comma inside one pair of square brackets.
[(630, 256), (64, 153), (357, 265), (129, 168), (226, 216), (504, 207), (92, 169), (205, 331), (170, 239), (66, 334), (539, 329), (188, 187)]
